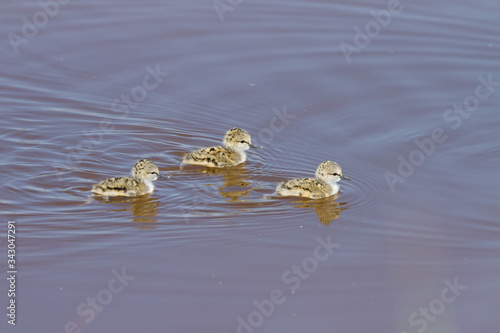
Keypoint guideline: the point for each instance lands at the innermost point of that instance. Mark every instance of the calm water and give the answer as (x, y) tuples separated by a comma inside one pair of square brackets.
[(102, 84)]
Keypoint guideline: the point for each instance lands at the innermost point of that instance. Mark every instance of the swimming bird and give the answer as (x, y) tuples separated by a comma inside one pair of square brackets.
[(144, 173), (236, 142), (324, 185)]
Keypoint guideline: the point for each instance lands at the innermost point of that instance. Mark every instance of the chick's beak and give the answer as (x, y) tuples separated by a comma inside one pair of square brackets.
[(254, 146)]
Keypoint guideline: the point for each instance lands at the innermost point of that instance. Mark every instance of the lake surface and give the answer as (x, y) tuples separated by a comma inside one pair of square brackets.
[(403, 95)]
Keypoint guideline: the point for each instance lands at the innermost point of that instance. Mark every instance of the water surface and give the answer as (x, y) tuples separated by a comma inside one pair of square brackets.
[(103, 84)]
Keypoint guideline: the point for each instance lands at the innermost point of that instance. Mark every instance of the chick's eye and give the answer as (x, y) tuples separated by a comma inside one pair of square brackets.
[(242, 141), (335, 174)]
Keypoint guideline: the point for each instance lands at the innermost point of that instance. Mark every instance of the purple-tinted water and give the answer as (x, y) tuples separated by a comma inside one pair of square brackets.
[(372, 85)]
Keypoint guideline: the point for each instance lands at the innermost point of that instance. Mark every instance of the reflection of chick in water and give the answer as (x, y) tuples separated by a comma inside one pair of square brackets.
[(144, 209), (233, 177), (327, 209)]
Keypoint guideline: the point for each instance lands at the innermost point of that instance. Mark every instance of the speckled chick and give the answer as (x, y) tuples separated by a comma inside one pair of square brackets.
[(324, 185), (236, 142), (144, 173)]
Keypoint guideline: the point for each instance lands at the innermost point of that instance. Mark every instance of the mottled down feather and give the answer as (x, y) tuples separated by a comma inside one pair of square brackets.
[(121, 186), (304, 187), (213, 157)]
